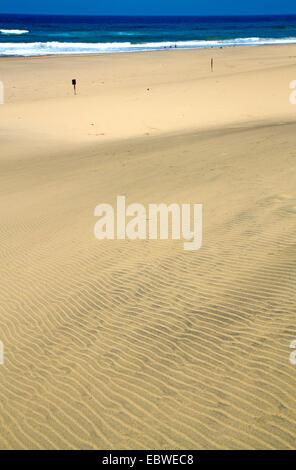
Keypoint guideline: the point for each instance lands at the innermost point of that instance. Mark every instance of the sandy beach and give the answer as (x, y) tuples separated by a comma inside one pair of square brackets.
[(121, 344)]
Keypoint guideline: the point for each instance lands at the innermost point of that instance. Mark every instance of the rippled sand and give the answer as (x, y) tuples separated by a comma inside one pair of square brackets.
[(139, 344)]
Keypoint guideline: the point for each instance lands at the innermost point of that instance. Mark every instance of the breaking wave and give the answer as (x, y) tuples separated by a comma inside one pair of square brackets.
[(13, 31), (57, 48)]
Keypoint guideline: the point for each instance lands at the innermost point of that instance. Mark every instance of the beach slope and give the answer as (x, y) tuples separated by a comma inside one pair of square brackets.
[(121, 344)]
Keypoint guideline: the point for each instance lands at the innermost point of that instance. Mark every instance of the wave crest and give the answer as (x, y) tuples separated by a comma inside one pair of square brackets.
[(57, 48), (13, 31)]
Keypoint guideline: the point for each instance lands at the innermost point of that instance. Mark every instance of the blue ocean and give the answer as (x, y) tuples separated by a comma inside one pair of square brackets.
[(41, 35)]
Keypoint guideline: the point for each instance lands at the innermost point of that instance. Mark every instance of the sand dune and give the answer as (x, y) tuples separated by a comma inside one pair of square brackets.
[(139, 344)]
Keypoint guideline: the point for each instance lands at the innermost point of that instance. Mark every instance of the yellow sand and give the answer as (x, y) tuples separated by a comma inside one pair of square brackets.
[(139, 344)]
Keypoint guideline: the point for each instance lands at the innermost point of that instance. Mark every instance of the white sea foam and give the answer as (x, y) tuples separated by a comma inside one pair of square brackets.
[(13, 31), (57, 48)]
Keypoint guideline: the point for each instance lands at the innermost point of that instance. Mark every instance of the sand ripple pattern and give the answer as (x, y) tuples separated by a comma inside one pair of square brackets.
[(140, 344)]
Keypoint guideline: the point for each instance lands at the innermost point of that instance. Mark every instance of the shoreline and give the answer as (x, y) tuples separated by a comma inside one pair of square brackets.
[(164, 49)]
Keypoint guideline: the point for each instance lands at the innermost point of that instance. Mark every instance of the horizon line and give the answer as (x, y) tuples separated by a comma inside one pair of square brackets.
[(176, 15)]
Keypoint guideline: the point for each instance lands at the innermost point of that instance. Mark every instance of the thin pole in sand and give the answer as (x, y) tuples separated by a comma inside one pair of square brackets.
[(74, 85), (212, 64)]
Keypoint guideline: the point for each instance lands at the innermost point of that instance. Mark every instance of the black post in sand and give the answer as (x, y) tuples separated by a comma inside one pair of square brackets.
[(212, 65), (74, 85)]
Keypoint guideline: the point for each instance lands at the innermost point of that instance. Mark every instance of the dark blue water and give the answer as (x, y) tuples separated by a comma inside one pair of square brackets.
[(38, 35)]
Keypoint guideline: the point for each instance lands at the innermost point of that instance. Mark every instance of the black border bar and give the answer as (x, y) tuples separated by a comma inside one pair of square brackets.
[(134, 459)]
